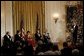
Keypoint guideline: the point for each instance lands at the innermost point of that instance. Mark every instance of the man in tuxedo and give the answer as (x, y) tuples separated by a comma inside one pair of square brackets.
[(17, 40), (17, 36), (7, 43), (66, 51), (7, 40), (46, 37), (75, 30), (38, 36)]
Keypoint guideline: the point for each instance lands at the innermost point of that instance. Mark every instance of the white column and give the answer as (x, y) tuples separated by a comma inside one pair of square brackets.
[(6, 18)]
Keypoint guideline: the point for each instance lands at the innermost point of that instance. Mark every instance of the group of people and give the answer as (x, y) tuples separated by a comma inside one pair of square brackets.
[(23, 42), (26, 44), (67, 50)]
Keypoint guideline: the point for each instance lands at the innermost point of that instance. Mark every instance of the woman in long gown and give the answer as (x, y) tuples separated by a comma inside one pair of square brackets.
[(30, 40)]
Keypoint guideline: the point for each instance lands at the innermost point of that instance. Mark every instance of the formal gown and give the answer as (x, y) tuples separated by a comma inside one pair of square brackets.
[(30, 40)]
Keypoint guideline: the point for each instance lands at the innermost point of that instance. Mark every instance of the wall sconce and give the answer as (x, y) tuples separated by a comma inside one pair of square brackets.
[(55, 17)]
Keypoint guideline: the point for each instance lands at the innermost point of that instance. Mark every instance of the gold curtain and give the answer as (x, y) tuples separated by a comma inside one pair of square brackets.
[(29, 10)]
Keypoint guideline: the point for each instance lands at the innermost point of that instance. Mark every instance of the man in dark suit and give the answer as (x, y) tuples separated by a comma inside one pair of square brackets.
[(38, 36), (66, 51), (17, 36), (46, 37), (17, 40), (7, 43), (75, 30), (7, 40)]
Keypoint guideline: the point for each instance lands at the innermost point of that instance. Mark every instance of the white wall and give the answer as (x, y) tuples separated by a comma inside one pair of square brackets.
[(6, 18), (57, 31)]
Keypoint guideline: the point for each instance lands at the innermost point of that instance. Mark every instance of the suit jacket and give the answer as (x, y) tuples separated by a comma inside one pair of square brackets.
[(7, 41), (66, 51), (37, 37), (75, 31), (17, 38), (76, 28)]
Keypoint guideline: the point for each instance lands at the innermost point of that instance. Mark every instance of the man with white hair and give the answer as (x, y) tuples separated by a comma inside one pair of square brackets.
[(49, 53), (8, 44), (40, 47), (57, 53), (75, 52), (40, 53)]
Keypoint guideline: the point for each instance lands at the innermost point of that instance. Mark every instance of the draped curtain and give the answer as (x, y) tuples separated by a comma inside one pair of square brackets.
[(28, 10)]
